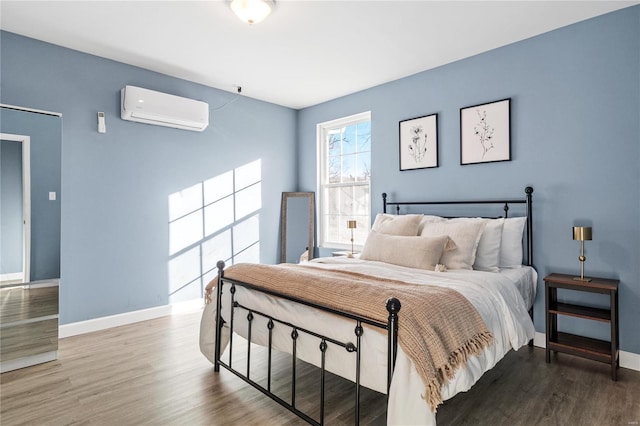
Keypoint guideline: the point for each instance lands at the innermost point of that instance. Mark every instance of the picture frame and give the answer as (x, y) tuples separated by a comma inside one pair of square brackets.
[(485, 132), (418, 142)]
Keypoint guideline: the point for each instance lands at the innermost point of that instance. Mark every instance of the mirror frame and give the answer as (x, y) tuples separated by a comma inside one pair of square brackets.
[(283, 222)]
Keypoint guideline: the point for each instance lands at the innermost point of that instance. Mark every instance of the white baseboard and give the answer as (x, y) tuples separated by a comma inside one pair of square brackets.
[(55, 282), (540, 340), (11, 276), (43, 283), (103, 323), (628, 360)]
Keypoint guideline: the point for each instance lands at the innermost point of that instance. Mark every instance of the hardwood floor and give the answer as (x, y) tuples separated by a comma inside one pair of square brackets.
[(152, 373)]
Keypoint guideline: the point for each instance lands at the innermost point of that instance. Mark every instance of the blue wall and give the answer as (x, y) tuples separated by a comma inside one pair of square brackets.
[(45, 132), (115, 186), (575, 138)]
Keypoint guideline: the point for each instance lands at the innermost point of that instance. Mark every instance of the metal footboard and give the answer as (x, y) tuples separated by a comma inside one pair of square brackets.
[(224, 284)]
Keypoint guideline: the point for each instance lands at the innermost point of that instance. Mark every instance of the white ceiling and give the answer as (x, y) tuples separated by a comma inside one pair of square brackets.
[(306, 52)]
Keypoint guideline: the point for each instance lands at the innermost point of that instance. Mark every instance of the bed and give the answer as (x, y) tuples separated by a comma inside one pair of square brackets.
[(363, 318)]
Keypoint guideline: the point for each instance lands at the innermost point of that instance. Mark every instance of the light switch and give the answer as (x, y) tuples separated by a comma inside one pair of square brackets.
[(52, 196)]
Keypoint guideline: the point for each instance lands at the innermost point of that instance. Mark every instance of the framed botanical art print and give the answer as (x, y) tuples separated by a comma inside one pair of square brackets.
[(485, 132), (419, 142)]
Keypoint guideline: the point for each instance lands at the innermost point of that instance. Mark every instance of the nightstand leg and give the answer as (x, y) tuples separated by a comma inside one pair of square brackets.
[(615, 356), (547, 294)]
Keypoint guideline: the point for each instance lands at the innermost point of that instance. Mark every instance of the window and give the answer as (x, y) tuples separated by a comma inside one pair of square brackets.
[(344, 165)]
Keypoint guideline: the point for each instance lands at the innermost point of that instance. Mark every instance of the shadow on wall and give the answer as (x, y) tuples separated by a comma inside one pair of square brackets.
[(216, 219)]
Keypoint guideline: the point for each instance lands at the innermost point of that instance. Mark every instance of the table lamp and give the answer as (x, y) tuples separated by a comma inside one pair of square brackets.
[(582, 234), (351, 224)]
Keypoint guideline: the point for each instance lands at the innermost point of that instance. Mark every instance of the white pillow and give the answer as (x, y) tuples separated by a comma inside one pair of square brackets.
[(406, 224), (488, 254), (428, 218), (511, 247), (413, 252), (465, 233)]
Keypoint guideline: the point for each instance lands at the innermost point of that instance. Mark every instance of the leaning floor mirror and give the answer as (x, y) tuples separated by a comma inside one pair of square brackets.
[(297, 225)]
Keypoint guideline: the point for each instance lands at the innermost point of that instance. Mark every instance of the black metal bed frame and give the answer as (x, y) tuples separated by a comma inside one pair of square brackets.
[(393, 307), (527, 200)]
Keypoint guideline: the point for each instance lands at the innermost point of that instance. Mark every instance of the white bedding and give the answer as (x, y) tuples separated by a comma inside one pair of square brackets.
[(502, 300)]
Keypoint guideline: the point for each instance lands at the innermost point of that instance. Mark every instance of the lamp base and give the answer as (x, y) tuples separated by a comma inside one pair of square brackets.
[(585, 280), (350, 255)]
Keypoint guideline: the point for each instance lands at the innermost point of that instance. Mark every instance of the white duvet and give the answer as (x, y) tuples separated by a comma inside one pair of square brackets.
[(498, 297)]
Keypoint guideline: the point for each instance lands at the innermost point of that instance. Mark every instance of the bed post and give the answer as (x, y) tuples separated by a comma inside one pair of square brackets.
[(384, 202), (219, 321), (393, 307), (529, 191)]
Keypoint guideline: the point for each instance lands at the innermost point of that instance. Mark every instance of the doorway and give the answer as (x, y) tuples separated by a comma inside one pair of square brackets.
[(15, 203)]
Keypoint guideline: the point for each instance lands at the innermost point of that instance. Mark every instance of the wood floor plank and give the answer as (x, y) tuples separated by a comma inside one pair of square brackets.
[(152, 373)]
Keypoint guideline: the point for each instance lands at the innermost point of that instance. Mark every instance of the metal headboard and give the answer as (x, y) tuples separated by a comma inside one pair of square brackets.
[(505, 203)]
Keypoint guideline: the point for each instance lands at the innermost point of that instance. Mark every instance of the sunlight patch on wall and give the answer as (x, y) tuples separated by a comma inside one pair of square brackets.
[(217, 219)]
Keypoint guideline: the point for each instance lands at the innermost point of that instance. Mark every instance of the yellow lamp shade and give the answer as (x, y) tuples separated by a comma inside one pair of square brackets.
[(582, 233)]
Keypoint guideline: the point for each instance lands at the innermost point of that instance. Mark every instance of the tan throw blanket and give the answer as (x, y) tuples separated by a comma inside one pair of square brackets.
[(438, 327)]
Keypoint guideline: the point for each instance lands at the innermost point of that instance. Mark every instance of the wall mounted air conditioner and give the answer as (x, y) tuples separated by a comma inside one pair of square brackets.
[(162, 109)]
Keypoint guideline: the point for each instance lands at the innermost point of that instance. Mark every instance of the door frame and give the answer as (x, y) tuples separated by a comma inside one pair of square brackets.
[(26, 201)]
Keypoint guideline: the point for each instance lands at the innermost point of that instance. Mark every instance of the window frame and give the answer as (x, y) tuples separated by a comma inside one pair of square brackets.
[(322, 131)]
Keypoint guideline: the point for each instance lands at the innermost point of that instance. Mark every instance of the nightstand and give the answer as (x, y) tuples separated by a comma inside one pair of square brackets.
[(598, 350)]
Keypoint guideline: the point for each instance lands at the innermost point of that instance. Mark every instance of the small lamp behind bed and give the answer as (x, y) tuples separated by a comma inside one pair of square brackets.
[(351, 224), (582, 234)]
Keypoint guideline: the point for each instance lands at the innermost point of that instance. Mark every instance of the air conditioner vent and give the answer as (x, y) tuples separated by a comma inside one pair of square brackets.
[(151, 107)]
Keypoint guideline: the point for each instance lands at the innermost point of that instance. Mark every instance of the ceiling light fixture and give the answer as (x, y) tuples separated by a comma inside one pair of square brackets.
[(252, 11)]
